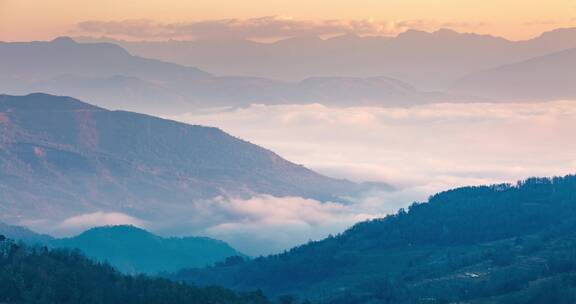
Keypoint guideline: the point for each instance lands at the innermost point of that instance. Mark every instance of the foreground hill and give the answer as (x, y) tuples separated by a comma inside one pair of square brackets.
[(133, 250), (489, 244), (543, 78), (41, 276), (60, 157)]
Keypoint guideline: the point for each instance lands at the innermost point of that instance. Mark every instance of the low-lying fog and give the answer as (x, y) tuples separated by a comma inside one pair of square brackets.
[(420, 150)]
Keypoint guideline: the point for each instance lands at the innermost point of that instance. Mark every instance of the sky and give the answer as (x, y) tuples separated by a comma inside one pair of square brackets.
[(24, 20)]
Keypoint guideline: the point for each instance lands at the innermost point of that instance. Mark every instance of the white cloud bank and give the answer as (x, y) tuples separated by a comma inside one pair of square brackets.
[(264, 224), (421, 150), (429, 147)]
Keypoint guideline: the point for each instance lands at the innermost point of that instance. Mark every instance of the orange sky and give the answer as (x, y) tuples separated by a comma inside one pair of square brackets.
[(515, 19)]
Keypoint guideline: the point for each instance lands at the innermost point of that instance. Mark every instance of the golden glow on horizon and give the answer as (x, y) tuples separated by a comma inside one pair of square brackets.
[(22, 20)]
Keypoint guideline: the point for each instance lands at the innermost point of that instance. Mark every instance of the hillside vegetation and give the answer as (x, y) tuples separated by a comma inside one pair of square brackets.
[(42, 276), (489, 244)]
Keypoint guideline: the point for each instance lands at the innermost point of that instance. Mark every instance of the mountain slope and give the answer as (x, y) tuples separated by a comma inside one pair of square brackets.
[(134, 250), (60, 157), (485, 244), (543, 78), (43, 276)]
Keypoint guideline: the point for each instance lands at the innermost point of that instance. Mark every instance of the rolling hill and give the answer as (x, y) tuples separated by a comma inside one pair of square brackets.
[(134, 250), (130, 249)]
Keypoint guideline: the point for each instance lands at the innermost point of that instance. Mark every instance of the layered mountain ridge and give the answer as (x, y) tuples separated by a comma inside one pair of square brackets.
[(427, 60), (106, 75)]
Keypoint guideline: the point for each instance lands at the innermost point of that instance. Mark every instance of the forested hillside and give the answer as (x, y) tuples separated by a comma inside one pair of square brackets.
[(489, 244), (42, 276)]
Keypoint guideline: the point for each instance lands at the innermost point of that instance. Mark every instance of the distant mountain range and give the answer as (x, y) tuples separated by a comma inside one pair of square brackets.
[(487, 244), (60, 157), (412, 68), (552, 76), (108, 76), (429, 61)]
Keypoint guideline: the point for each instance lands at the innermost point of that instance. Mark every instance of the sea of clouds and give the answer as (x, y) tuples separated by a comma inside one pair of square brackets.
[(420, 150)]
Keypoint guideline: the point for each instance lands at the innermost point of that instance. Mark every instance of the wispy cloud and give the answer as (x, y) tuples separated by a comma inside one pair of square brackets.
[(268, 27)]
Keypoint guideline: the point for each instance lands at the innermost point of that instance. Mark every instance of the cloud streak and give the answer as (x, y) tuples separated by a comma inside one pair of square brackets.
[(268, 27)]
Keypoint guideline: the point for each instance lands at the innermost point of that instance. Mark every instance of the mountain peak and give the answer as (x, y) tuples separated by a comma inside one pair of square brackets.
[(64, 40), (116, 233), (413, 35), (122, 229), (43, 102), (446, 31)]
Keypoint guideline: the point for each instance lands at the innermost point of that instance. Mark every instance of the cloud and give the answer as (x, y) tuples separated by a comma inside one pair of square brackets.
[(264, 224), (258, 225), (268, 27), (90, 220), (435, 146)]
